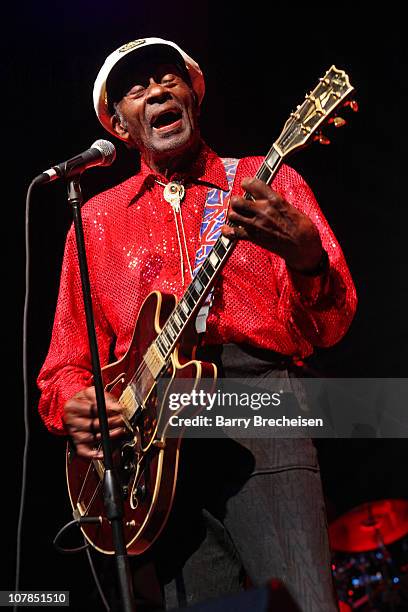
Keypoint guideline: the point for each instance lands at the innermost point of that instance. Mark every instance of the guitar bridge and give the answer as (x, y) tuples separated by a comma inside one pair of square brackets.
[(79, 511)]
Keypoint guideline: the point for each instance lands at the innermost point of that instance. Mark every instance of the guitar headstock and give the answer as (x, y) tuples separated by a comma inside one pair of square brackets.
[(319, 105)]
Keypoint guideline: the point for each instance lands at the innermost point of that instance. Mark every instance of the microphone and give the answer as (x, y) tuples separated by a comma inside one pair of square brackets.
[(101, 153)]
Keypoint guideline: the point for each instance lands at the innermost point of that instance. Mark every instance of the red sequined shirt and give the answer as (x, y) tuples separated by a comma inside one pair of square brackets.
[(132, 249)]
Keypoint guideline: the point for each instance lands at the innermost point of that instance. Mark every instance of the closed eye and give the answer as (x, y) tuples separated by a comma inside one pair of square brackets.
[(168, 78), (136, 91)]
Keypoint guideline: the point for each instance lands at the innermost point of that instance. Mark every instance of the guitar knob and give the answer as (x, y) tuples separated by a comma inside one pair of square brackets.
[(159, 444), (338, 122), (352, 104), (321, 139)]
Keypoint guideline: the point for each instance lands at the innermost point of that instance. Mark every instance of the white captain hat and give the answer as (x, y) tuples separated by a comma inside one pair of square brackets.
[(101, 92)]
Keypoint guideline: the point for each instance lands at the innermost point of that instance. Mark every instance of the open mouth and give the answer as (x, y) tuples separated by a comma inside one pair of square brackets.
[(167, 120)]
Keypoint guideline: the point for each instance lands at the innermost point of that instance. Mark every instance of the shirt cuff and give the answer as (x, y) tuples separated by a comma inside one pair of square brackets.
[(51, 407), (310, 287)]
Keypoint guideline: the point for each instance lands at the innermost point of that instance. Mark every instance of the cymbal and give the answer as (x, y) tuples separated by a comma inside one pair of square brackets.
[(370, 525)]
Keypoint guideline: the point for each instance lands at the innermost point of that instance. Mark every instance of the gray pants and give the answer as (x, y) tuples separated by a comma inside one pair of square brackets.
[(258, 509), (272, 526)]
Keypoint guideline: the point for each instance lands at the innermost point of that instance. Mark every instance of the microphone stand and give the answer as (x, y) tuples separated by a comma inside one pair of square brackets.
[(112, 498)]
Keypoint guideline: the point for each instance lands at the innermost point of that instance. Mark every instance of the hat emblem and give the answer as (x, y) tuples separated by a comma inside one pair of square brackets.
[(132, 45)]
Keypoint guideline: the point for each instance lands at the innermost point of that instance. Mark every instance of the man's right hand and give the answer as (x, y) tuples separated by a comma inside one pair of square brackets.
[(82, 422)]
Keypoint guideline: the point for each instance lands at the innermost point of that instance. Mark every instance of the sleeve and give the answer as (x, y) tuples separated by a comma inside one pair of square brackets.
[(318, 308), (68, 368)]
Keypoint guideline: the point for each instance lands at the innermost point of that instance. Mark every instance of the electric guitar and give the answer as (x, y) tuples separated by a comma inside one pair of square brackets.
[(147, 459)]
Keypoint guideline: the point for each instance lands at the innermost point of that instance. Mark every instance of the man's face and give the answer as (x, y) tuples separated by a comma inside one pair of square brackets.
[(158, 113)]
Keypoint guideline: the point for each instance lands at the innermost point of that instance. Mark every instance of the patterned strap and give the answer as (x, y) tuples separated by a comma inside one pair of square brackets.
[(215, 212)]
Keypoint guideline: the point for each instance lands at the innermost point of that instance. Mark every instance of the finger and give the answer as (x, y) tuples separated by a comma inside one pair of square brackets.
[(113, 409), (115, 421), (77, 406), (77, 422), (228, 232), (235, 233), (87, 448), (247, 208), (111, 404), (84, 450), (85, 444), (83, 437), (238, 219), (92, 427), (257, 188), (117, 432)]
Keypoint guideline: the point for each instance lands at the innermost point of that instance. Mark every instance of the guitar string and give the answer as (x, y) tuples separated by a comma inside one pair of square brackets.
[(98, 486), (85, 478)]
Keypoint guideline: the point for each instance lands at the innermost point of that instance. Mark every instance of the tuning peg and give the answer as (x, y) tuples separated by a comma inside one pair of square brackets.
[(352, 104), (337, 121), (321, 139)]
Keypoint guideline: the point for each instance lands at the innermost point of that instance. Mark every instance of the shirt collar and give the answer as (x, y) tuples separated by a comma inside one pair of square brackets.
[(207, 169)]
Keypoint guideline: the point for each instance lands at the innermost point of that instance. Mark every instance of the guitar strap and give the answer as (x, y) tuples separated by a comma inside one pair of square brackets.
[(215, 212)]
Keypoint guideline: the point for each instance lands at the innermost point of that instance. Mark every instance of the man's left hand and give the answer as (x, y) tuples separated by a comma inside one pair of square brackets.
[(274, 224)]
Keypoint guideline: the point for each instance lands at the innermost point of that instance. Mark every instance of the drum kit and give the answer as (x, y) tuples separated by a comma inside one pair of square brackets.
[(370, 557)]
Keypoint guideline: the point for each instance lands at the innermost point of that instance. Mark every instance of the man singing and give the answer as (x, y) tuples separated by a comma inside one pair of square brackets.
[(253, 508)]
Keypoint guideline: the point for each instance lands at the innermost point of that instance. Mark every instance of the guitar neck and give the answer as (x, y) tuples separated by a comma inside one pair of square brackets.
[(204, 280)]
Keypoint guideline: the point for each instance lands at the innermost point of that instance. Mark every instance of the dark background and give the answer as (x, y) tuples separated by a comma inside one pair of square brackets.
[(258, 63)]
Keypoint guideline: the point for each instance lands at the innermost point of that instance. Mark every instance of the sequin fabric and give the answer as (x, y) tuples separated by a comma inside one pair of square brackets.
[(132, 249)]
